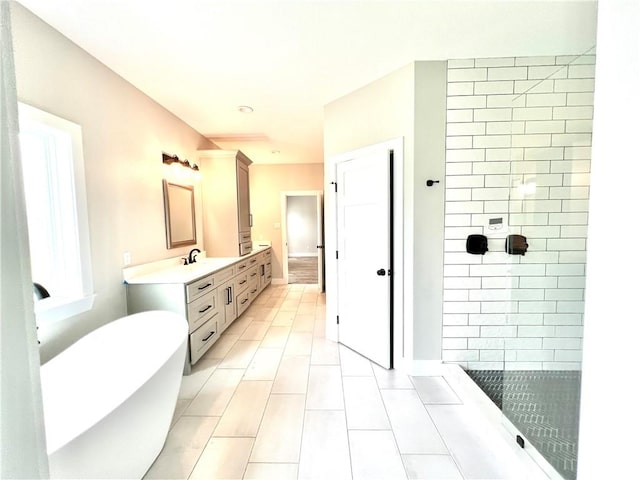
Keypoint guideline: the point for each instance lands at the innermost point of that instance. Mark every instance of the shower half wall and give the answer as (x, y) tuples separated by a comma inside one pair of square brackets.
[(519, 149)]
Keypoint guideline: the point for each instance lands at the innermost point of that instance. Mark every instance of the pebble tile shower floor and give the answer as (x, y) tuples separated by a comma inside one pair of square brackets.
[(275, 399)]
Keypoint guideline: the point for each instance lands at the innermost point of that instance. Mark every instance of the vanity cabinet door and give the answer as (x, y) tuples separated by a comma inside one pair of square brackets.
[(226, 300), (226, 202)]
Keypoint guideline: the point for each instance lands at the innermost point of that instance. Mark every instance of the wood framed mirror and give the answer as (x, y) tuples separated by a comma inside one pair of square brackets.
[(179, 214)]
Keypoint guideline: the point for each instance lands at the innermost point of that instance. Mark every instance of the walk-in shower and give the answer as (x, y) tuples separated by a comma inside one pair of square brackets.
[(518, 163)]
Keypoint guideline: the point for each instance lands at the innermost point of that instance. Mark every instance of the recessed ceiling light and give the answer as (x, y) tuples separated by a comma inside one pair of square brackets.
[(245, 109)]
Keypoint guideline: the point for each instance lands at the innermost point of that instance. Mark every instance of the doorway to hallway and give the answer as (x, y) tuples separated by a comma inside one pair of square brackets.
[(302, 238)]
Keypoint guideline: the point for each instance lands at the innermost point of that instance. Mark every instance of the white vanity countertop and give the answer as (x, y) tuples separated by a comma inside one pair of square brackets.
[(172, 271)]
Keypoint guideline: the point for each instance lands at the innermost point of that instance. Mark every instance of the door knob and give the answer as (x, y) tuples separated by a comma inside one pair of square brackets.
[(381, 272)]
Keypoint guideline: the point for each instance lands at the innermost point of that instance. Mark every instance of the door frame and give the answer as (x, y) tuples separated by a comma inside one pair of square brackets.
[(316, 194), (402, 332)]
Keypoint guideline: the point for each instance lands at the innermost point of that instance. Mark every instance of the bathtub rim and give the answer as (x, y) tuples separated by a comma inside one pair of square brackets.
[(65, 415)]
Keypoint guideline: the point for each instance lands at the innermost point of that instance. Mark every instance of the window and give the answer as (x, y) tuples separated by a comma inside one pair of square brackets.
[(53, 171)]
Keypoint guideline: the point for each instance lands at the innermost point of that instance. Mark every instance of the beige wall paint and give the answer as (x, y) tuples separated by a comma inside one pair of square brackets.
[(124, 133), (267, 182)]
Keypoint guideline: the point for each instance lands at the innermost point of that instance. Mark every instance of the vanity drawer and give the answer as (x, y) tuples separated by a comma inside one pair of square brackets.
[(242, 302), (254, 260), (253, 273), (242, 266), (201, 340), (199, 287), (245, 236), (254, 289), (241, 282), (223, 275), (246, 247), (201, 309)]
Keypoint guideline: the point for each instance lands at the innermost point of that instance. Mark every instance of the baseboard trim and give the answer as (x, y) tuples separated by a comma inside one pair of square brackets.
[(421, 367)]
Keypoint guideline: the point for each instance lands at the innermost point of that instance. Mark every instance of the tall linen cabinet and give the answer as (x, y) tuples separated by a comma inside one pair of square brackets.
[(226, 202)]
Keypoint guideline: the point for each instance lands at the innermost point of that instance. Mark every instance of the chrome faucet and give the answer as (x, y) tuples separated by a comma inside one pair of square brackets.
[(192, 255)]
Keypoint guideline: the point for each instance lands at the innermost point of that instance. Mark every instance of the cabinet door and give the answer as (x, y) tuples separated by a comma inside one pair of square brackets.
[(226, 300), (244, 208)]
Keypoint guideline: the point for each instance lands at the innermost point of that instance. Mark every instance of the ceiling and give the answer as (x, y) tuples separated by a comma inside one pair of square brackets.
[(201, 59)]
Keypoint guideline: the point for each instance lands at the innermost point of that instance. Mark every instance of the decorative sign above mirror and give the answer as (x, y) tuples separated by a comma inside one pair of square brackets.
[(179, 214)]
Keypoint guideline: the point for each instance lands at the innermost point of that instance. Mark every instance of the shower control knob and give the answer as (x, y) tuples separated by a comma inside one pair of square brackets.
[(381, 272)]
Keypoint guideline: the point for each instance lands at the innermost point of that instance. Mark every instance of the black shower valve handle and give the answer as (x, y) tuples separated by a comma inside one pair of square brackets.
[(431, 182)]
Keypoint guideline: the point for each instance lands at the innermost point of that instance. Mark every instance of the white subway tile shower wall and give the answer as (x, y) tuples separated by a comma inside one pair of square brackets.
[(512, 122)]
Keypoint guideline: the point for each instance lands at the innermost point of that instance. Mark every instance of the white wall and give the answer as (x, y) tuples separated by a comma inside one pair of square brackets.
[(500, 310), (302, 225), (124, 135), (609, 417)]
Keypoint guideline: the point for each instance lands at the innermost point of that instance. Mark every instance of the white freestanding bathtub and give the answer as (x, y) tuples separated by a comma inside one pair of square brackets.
[(109, 398)]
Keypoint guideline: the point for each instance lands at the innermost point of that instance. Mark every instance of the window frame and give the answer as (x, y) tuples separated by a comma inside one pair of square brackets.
[(57, 308)]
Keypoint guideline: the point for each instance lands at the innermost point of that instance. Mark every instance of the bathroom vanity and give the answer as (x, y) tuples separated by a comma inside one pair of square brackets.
[(210, 293)]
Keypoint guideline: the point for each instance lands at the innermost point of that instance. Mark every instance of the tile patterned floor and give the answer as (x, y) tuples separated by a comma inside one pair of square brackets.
[(544, 406), (274, 399)]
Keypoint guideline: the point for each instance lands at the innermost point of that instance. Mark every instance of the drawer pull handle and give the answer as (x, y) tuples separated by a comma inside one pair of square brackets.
[(244, 301), (229, 299), (208, 336), (253, 260), (241, 267), (254, 274), (243, 281), (254, 290), (205, 309), (204, 286)]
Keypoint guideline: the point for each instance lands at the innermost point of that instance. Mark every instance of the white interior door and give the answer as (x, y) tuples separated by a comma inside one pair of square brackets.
[(364, 255)]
